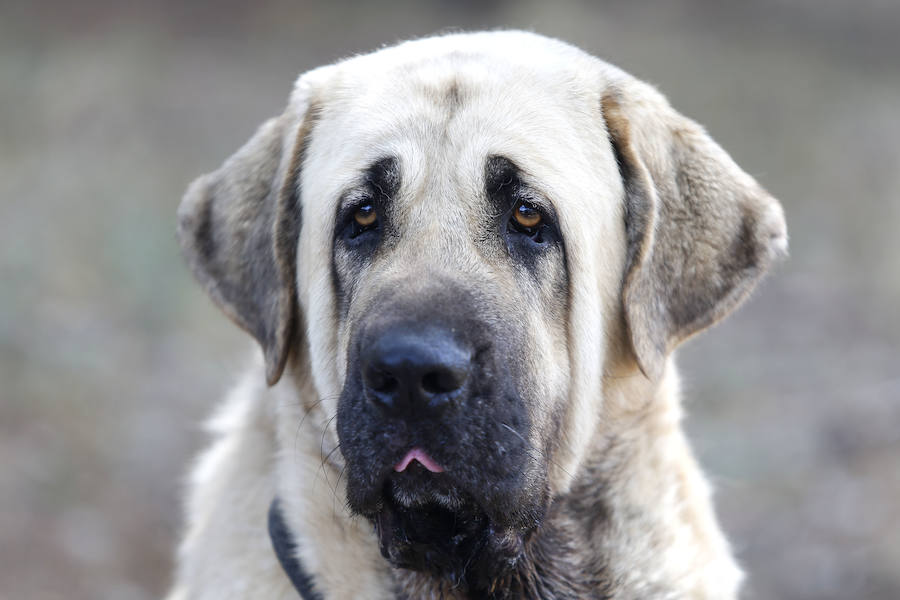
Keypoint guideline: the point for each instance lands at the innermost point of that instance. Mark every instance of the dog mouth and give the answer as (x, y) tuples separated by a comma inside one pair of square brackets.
[(418, 481), (454, 497), (427, 523)]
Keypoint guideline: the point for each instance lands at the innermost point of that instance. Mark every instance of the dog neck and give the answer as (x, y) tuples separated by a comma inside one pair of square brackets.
[(640, 504)]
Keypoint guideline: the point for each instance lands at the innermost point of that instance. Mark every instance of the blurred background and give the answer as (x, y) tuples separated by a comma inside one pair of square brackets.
[(110, 356)]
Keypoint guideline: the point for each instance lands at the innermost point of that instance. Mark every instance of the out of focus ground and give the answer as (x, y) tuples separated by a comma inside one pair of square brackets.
[(110, 356)]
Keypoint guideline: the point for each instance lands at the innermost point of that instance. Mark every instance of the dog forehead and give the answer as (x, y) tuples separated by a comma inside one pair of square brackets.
[(448, 103)]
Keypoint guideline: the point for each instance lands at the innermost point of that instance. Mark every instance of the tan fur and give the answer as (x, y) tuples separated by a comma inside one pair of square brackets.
[(628, 495)]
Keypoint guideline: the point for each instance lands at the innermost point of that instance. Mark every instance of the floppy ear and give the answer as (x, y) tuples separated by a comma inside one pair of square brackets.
[(700, 231), (238, 229)]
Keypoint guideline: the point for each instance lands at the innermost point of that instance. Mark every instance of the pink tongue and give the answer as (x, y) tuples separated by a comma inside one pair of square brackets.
[(424, 460)]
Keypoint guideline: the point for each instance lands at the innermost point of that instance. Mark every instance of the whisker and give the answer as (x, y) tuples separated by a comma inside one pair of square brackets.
[(334, 496), (631, 376), (307, 410), (322, 455)]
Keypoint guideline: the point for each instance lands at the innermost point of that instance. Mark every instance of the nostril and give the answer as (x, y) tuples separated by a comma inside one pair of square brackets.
[(387, 384), (442, 381), (380, 381)]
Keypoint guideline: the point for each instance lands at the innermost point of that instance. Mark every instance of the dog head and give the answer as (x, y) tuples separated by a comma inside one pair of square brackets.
[(460, 235)]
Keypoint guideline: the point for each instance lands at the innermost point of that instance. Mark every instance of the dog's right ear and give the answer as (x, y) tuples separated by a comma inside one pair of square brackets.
[(238, 229)]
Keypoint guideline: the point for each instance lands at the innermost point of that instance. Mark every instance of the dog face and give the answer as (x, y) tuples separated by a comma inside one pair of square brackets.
[(459, 239), (452, 299), (450, 284)]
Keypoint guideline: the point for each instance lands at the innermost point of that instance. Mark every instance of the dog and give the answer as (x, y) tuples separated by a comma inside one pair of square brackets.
[(467, 261)]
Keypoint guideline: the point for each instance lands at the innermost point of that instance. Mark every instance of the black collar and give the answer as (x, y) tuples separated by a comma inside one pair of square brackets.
[(286, 551)]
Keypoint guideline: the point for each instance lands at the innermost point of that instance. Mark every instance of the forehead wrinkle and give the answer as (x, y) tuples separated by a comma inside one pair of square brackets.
[(435, 219), (439, 165), (436, 215)]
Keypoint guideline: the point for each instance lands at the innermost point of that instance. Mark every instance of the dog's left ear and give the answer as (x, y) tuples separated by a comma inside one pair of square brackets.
[(238, 228), (700, 231)]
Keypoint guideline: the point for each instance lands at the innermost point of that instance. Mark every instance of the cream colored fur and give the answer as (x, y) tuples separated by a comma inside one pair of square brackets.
[(621, 429)]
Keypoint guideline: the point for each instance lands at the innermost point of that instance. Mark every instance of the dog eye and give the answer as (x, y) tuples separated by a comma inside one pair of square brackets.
[(365, 215), (526, 217), (362, 223)]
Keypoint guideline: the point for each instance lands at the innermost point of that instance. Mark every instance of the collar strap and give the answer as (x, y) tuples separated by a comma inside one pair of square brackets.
[(286, 551)]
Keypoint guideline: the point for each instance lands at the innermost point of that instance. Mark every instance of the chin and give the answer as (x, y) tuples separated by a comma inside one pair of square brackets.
[(426, 522)]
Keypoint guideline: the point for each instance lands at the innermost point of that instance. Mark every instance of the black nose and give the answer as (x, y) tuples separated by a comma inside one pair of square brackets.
[(405, 370)]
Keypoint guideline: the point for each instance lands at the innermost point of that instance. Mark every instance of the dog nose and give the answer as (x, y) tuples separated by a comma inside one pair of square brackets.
[(406, 371)]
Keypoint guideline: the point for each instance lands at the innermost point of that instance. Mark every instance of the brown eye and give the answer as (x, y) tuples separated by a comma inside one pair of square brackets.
[(365, 215), (527, 216)]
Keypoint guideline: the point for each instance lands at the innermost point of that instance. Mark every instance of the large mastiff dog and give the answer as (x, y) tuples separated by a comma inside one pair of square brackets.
[(467, 260)]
